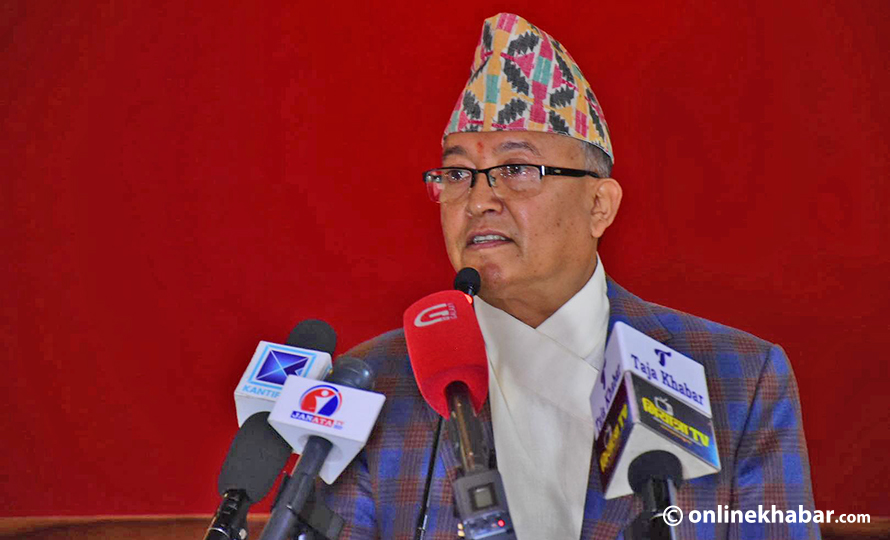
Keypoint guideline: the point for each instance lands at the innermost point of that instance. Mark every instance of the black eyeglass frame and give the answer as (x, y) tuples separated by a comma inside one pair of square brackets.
[(544, 170)]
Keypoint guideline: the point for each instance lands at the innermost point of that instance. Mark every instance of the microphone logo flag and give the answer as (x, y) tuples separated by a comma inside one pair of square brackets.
[(342, 415), (650, 397), (269, 369)]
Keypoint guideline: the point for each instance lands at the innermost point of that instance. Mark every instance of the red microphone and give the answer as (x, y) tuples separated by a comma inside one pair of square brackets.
[(445, 346), (447, 354)]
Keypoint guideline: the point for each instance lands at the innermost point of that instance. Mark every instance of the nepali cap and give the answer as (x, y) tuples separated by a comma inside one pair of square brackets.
[(524, 80)]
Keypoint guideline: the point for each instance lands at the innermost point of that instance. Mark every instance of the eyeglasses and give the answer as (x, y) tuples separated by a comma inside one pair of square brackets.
[(513, 181)]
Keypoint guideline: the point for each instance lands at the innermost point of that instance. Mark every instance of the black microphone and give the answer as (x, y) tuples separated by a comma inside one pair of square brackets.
[(653, 427), (465, 426), (468, 281), (313, 334), (256, 456), (654, 476), (258, 453), (285, 518)]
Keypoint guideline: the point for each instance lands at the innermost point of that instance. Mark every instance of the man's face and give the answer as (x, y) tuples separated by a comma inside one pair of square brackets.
[(549, 250)]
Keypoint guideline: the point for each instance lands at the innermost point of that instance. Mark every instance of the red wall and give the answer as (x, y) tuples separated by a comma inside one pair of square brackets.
[(180, 182)]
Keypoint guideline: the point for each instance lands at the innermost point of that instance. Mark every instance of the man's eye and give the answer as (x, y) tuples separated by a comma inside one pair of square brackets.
[(512, 171), (454, 175)]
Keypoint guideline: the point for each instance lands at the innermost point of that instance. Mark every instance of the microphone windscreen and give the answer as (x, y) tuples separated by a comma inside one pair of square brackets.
[(656, 464), (257, 455), (468, 281), (315, 335), (352, 372), (445, 345)]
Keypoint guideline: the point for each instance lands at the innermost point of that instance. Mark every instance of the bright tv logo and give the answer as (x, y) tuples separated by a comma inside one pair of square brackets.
[(435, 314), (318, 404), (662, 403)]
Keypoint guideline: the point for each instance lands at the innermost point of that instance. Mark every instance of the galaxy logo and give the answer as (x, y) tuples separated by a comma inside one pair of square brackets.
[(435, 314), (318, 404)]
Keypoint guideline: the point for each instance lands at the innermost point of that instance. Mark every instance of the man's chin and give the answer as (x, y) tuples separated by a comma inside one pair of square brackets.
[(494, 270), (494, 279)]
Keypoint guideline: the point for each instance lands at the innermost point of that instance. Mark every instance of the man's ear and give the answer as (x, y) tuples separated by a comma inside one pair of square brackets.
[(606, 200)]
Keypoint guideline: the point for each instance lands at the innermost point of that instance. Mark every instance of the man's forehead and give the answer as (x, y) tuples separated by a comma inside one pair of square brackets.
[(538, 144), (479, 147)]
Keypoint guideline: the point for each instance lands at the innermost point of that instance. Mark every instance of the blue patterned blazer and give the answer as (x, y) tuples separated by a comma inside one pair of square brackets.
[(757, 420)]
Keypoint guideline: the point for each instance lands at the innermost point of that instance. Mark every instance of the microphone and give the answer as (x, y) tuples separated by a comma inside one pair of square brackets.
[(255, 458), (448, 357), (258, 453), (307, 354), (327, 423), (445, 346), (655, 476), (468, 281), (652, 426)]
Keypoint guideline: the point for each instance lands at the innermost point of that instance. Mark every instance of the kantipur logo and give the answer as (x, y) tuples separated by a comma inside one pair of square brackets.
[(278, 365)]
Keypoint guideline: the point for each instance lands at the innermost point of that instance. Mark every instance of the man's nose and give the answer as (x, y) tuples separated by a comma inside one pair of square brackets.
[(482, 197)]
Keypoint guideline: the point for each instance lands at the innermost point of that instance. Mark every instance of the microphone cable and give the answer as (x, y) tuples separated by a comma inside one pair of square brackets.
[(420, 528)]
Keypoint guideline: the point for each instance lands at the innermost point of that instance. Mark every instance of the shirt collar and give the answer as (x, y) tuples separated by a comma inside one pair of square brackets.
[(572, 324), (578, 325)]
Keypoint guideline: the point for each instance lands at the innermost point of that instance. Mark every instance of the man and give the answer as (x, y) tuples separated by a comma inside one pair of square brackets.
[(525, 193)]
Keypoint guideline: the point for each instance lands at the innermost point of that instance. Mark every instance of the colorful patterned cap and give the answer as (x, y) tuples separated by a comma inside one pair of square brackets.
[(522, 79)]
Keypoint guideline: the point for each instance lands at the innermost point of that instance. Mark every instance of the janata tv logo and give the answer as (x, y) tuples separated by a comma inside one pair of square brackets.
[(318, 404)]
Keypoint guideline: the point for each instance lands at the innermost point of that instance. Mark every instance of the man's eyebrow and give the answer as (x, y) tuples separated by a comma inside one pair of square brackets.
[(517, 145), (454, 151)]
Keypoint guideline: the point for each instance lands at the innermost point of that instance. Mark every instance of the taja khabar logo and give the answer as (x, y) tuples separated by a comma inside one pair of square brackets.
[(318, 404)]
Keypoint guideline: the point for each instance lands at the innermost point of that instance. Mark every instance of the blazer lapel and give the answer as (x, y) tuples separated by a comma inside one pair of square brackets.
[(631, 310), (606, 519)]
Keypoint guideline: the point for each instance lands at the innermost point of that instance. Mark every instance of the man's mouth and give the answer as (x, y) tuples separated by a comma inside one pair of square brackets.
[(488, 239), (483, 238)]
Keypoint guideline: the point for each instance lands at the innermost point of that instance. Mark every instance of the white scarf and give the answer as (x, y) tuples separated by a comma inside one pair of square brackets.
[(540, 381)]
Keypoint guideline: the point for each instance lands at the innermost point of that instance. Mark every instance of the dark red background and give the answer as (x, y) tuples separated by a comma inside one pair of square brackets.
[(179, 182)]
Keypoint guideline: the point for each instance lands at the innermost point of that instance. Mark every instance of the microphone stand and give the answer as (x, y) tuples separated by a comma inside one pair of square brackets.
[(230, 521), (479, 496), (313, 520), (473, 456)]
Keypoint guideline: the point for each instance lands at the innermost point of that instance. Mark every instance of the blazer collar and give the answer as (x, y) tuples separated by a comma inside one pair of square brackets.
[(633, 311)]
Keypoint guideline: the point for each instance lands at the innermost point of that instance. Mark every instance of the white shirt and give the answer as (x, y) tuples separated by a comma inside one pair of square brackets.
[(540, 381)]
